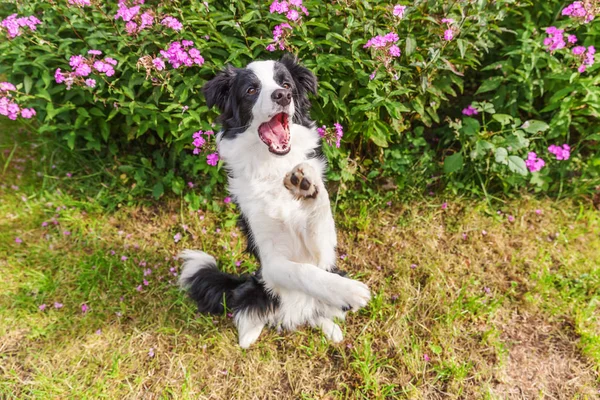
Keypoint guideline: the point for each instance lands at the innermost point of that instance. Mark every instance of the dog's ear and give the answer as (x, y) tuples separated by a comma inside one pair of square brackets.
[(305, 80), (216, 91)]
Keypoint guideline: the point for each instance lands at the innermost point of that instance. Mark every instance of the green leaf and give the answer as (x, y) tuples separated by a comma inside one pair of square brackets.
[(534, 126), (501, 155), (27, 83), (411, 45), (158, 190), (453, 163), (489, 85), (517, 165), (504, 119)]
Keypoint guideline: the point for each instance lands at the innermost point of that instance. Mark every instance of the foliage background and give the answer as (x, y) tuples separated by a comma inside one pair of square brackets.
[(404, 129)]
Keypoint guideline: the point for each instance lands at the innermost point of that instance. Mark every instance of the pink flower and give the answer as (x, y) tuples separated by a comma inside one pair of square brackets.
[(394, 51), (212, 159), (124, 258), (469, 111), (538, 212), (561, 152), (66, 233), (177, 237), (447, 21), (190, 184), (90, 83), (399, 11), (27, 113), (95, 52), (172, 23), (448, 34), (572, 39), (42, 307), (84, 308), (444, 206), (151, 352), (293, 15), (227, 200), (58, 305), (534, 163), (511, 218), (426, 357)]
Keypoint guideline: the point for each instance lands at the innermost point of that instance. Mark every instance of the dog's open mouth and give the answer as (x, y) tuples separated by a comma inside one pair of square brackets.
[(276, 134)]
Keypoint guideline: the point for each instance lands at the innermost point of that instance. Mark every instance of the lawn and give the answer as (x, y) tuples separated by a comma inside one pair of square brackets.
[(471, 300)]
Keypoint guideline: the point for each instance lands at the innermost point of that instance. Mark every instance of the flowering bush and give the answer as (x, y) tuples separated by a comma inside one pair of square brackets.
[(394, 76)]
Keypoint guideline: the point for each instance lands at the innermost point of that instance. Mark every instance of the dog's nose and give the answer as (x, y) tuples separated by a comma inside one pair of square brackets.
[(282, 97)]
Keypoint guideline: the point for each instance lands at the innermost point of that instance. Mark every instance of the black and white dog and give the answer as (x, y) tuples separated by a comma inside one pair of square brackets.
[(271, 150)]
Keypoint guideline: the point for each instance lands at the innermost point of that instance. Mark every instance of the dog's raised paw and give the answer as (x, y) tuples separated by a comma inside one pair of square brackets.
[(301, 182)]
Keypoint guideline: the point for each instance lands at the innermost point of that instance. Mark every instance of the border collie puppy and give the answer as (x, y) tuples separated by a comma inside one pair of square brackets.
[(271, 150)]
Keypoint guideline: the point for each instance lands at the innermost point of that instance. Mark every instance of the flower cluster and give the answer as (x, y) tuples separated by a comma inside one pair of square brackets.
[(329, 134), (449, 33), (385, 48), (83, 67), (399, 11), (469, 111), (13, 25), (556, 39), (585, 55), (137, 22), (172, 22), (533, 162), (199, 142), (561, 152), (584, 11), (178, 54), (280, 34), (8, 107), (292, 9), (80, 3)]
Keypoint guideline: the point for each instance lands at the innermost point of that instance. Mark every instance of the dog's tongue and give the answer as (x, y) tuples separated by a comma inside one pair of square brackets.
[(276, 135)]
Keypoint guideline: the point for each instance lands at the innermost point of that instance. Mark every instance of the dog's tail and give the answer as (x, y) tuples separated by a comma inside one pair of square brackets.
[(206, 285), (212, 289)]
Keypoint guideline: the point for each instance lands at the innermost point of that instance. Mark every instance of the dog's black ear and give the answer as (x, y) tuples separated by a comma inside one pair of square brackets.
[(305, 80), (216, 91)]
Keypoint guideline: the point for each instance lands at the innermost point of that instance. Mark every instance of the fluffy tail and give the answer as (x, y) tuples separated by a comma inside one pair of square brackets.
[(206, 285), (212, 289)]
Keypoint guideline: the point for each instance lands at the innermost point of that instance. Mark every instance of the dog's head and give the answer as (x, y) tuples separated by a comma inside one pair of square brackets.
[(261, 99)]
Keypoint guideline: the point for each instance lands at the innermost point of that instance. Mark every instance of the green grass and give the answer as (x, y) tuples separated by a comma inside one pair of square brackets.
[(514, 313)]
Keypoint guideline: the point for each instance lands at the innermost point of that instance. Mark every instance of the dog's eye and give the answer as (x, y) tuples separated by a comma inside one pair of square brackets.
[(251, 91), (286, 85)]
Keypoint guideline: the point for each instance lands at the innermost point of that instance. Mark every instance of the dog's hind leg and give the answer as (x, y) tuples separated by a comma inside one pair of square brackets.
[(330, 329), (249, 329)]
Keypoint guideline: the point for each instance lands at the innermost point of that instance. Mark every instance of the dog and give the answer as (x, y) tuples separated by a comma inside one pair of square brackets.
[(272, 153)]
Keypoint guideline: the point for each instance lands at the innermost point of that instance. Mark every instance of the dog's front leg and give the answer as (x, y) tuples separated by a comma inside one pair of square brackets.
[(333, 289)]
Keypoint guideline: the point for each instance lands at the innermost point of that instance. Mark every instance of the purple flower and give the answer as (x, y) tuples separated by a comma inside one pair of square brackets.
[(95, 52), (90, 83), (151, 352), (533, 162), (561, 152), (511, 218), (293, 15), (469, 111), (448, 34), (212, 159), (399, 11), (572, 39), (177, 237), (172, 23), (27, 113), (42, 307), (394, 51), (58, 305)]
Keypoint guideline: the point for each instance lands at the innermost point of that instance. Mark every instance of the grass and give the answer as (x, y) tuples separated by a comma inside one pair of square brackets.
[(512, 313)]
